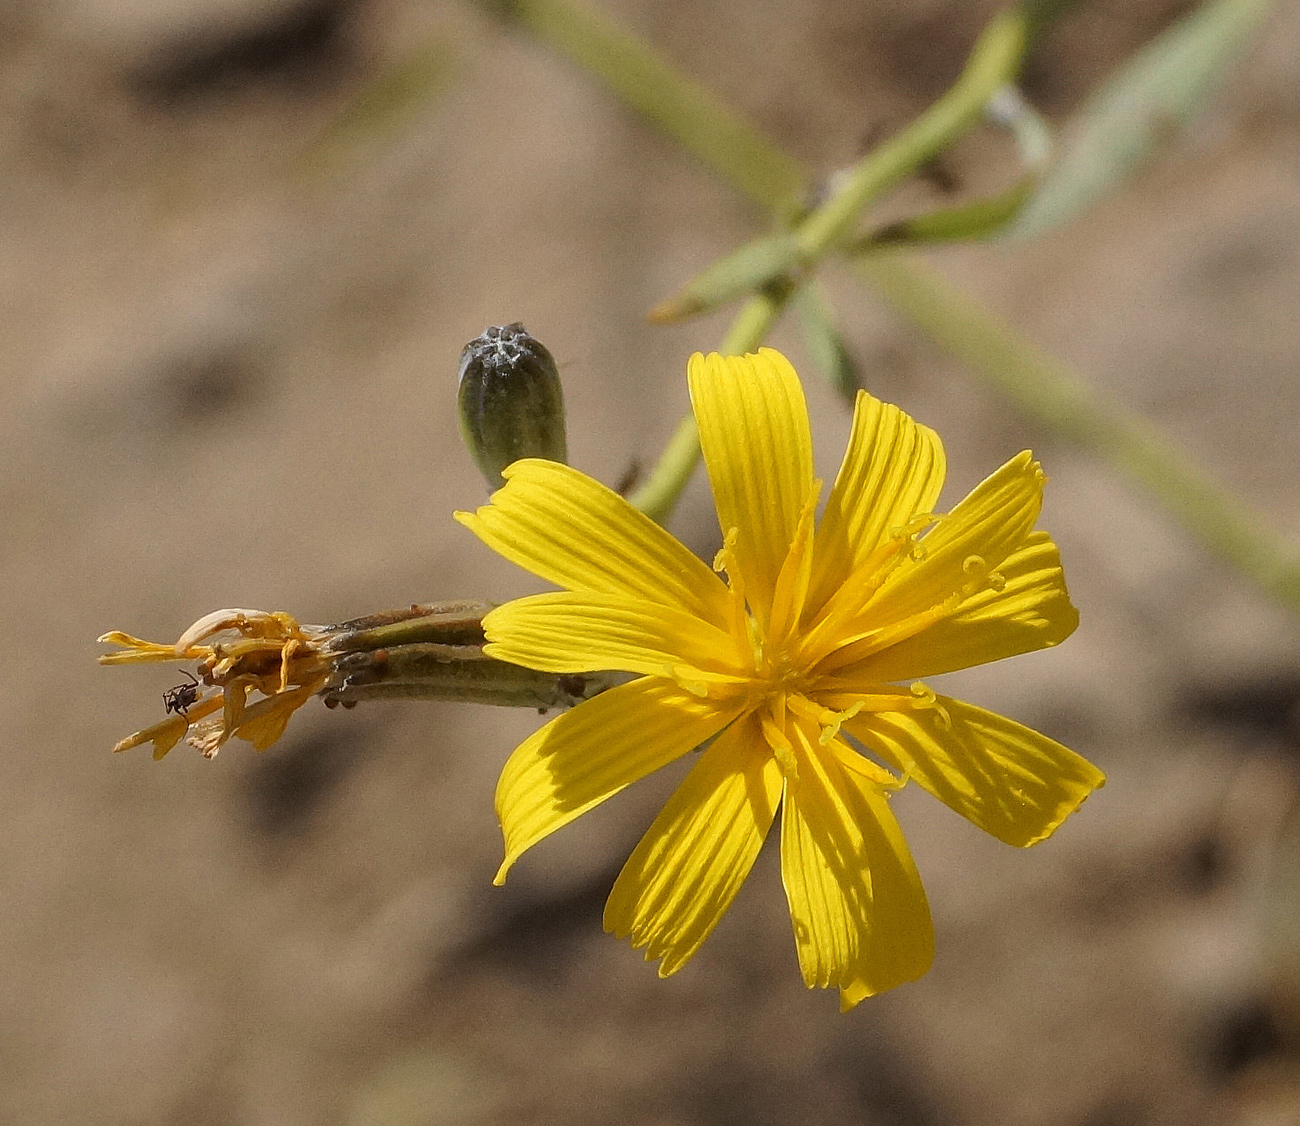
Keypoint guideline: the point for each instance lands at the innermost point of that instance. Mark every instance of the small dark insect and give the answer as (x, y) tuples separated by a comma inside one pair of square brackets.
[(181, 698)]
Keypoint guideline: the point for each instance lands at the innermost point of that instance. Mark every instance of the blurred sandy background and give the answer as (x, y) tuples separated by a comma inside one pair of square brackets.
[(227, 384)]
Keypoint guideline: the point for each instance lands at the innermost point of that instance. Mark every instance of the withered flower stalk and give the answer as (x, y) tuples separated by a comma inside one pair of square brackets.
[(429, 651)]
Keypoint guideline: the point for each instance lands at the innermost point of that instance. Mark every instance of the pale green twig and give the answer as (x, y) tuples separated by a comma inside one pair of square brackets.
[(695, 117), (1131, 115), (992, 64), (676, 464), (994, 61)]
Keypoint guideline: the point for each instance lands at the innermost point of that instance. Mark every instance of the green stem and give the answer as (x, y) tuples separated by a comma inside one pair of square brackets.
[(435, 651), (659, 494), (456, 673), (443, 623), (994, 61), (694, 116)]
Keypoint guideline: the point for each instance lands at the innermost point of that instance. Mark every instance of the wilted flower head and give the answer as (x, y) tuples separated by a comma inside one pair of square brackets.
[(431, 651), (784, 662), (238, 652)]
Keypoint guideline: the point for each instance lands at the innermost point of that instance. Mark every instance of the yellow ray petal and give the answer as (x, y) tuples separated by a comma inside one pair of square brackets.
[(758, 450), (584, 756), (688, 867), (165, 735), (263, 723), (987, 525), (574, 532), (1031, 611), (134, 649), (892, 471), (1006, 778), (564, 632), (953, 562), (791, 592), (861, 920)]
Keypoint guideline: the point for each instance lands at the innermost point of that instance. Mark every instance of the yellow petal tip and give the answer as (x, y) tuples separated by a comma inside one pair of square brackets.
[(1066, 811)]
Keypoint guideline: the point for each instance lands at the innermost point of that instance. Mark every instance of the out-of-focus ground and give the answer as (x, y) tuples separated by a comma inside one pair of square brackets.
[(230, 383)]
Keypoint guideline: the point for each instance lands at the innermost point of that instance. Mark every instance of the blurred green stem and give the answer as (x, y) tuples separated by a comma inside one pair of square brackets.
[(688, 112), (1041, 387), (659, 494), (994, 61)]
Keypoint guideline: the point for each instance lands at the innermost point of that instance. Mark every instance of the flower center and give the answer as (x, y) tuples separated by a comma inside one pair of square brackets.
[(780, 684), (776, 670)]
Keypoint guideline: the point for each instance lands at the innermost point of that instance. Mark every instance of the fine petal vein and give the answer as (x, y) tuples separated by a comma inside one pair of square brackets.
[(689, 866), (1004, 777), (587, 755), (574, 532), (757, 448)]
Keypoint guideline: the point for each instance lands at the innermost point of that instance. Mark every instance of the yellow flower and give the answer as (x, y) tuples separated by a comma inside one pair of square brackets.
[(785, 672), (238, 652)]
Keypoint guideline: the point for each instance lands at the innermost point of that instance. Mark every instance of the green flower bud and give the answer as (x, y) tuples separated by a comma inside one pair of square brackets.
[(510, 401)]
